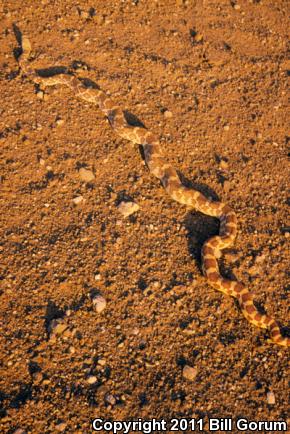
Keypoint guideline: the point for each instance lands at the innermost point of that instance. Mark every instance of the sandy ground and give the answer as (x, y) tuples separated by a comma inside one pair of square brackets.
[(209, 77)]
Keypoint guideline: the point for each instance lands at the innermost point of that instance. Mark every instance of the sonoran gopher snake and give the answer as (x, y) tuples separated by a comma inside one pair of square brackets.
[(169, 178)]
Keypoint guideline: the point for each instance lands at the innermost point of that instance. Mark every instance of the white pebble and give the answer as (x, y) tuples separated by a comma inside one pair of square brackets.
[(78, 199), (92, 379), (59, 122), (189, 373), (40, 94), (99, 303), (128, 208), (168, 114)]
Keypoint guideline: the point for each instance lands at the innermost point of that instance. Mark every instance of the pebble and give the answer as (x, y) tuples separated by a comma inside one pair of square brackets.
[(271, 398), (253, 270), (85, 15), (57, 326), (110, 399), (61, 426), (226, 127), (19, 431), (98, 276), (156, 284), (86, 175), (224, 164), (168, 114), (128, 208), (189, 373), (78, 199), (40, 94), (99, 303), (226, 186), (101, 362), (260, 258), (196, 37), (92, 379), (59, 122), (37, 377)]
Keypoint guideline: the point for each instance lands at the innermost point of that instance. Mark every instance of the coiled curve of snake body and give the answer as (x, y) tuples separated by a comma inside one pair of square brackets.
[(169, 178)]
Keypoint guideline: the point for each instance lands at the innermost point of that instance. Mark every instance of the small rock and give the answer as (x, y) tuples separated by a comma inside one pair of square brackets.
[(226, 186), (196, 37), (19, 431), (85, 15), (59, 122), (271, 398), (260, 258), (101, 362), (61, 426), (128, 208), (253, 270), (135, 331), (77, 200), (226, 127), (99, 303), (37, 377), (98, 276), (110, 399), (113, 196), (57, 326), (92, 379), (224, 164), (189, 373), (40, 94), (86, 175), (168, 114)]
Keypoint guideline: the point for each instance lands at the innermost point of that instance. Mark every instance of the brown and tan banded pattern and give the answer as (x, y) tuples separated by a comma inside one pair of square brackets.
[(169, 178)]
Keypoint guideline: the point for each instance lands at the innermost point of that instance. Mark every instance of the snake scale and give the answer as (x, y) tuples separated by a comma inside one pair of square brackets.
[(211, 249)]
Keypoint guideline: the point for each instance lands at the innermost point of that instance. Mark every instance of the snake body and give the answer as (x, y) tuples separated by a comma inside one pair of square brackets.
[(211, 249)]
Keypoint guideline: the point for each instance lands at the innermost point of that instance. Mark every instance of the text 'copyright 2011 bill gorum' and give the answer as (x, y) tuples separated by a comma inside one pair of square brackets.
[(187, 425)]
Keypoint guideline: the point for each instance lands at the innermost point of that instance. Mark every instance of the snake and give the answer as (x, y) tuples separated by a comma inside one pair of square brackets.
[(212, 248)]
